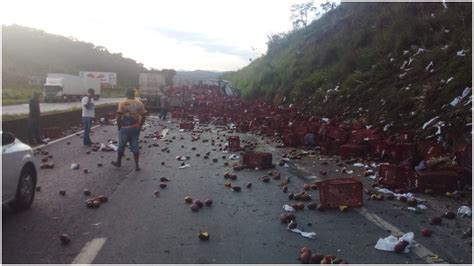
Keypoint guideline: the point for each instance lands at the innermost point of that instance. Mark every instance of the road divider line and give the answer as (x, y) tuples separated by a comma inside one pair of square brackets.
[(420, 250), (89, 251), (63, 138)]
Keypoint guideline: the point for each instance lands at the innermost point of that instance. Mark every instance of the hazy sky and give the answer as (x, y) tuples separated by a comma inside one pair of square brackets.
[(199, 34)]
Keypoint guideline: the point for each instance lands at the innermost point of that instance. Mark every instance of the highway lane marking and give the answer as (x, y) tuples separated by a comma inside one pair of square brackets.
[(63, 138), (89, 251), (420, 250)]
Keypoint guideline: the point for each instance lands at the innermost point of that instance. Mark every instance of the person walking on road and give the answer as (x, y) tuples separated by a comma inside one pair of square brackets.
[(88, 113), (130, 118), (164, 102), (34, 119)]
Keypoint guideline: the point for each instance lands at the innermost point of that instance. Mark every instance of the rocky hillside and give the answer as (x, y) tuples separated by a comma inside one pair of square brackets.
[(398, 66)]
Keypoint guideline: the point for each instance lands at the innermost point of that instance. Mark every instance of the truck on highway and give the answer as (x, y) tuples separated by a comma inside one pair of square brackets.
[(152, 86), (61, 87)]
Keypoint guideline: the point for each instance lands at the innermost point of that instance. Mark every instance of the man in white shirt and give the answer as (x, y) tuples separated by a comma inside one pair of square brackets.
[(88, 113)]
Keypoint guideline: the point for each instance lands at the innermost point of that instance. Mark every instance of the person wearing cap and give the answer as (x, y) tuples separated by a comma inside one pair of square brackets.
[(88, 113), (130, 118), (34, 119)]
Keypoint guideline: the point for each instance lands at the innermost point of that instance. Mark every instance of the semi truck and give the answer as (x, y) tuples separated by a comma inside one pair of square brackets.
[(60, 87), (152, 86)]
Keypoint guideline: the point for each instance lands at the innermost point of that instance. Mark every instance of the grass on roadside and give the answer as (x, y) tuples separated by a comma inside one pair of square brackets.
[(18, 95)]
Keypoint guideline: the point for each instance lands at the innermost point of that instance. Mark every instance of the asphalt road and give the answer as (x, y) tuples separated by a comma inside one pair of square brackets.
[(244, 227), (48, 107)]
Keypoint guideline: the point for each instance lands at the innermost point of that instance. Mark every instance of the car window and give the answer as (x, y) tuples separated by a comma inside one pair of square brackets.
[(7, 138)]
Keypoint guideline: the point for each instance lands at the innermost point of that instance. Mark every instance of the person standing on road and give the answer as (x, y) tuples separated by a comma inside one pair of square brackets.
[(34, 119), (88, 113), (130, 118), (164, 102)]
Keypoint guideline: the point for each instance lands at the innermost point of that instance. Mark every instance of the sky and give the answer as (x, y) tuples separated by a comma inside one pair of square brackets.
[(180, 34)]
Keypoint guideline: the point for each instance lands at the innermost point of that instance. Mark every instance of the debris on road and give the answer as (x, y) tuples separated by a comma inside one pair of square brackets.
[(65, 239), (310, 235), (394, 244), (203, 235), (464, 211)]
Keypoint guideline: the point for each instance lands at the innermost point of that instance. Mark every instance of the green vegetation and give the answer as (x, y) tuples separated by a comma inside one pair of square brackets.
[(19, 95), (348, 64)]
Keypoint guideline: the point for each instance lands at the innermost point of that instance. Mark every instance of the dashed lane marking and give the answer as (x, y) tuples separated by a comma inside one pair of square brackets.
[(89, 251)]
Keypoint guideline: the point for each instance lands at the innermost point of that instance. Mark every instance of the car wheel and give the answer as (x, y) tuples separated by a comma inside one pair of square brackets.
[(26, 190)]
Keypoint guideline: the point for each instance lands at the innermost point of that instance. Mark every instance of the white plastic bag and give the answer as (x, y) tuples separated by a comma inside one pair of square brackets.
[(310, 235), (465, 211), (388, 243)]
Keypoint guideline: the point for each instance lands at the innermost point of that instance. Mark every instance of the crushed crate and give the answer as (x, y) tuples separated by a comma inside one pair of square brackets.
[(396, 176), (336, 133), (439, 181), (254, 159), (290, 140), (243, 127), (186, 125), (52, 132), (329, 148), (334, 193), (429, 149), (353, 150), (176, 114), (234, 143)]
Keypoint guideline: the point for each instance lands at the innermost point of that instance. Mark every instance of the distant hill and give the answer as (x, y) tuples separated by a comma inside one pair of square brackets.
[(391, 65), (29, 54), (197, 75)]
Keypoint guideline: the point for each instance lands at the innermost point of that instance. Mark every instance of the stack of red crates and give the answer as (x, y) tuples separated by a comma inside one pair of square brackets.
[(253, 159)]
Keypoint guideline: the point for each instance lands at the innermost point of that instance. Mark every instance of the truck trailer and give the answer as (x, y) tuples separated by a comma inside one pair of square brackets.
[(61, 87), (152, 86)]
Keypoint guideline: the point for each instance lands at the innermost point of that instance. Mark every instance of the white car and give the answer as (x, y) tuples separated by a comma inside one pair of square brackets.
[(19, 172)]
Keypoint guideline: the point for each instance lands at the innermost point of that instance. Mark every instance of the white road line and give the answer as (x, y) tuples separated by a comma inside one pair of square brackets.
[(61, 139), (89, 251), (420, 250)]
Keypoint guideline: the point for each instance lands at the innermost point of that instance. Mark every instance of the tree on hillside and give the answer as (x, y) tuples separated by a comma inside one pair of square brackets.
[(301, 13)]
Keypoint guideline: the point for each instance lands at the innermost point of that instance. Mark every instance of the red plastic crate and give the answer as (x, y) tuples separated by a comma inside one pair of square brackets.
[(329, 148), (396, 176), (336, 133), (340, 192), (439, 180), (186, 125), (353, 150), (253, 159), (243, 127), (429, 149), (52, 132), (234, 143), (176, 114), (403, 151)]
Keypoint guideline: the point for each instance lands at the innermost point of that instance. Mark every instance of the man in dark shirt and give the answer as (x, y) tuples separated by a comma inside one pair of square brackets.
[(34, 119)]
